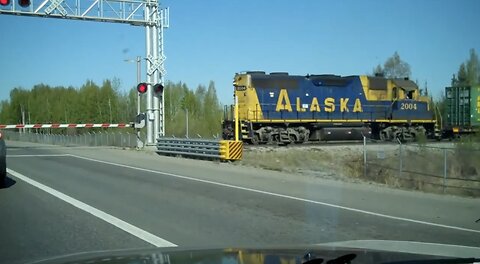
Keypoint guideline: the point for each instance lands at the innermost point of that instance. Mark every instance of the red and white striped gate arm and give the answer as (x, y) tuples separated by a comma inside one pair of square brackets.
[(104, 125)]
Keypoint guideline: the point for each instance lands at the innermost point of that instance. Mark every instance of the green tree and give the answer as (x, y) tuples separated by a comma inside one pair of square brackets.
[(378, 70), (462, 78), (468, 72), (472, 68), (106, 103), (4, 111), (175, 97), (175, 101), (18, 104), (213, 110), (394, 67), (127, 105)]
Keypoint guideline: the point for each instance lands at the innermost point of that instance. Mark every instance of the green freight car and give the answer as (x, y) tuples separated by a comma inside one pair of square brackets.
[(462, 113)]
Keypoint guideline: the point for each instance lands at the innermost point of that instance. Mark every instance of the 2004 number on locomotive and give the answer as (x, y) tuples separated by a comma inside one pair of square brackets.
[(408, 106)]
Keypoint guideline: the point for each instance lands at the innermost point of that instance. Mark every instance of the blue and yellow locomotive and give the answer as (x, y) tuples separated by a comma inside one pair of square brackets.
[(283, 108)]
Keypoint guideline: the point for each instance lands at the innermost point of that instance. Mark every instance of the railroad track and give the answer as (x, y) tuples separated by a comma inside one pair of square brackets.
[(315, 144)]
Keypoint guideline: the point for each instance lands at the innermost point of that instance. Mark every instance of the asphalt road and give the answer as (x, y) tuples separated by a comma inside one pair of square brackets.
[(70, 200)]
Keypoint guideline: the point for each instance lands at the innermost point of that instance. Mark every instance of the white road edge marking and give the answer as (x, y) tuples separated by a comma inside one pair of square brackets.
[(285, 196), (37, 155), (140, 233)]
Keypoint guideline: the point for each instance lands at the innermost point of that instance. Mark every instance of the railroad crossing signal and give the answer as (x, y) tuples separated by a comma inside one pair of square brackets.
[(146, 13), (142, 88), (158, 88), (22, 3)]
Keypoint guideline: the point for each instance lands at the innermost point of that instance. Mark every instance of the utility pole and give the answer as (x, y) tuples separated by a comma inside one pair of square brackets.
[(29, 120), (139, 77), (110, 109), (139, 73), (23, 117)]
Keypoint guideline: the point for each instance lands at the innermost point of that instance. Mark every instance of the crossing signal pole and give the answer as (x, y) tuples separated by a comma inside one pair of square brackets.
[(146, 13)]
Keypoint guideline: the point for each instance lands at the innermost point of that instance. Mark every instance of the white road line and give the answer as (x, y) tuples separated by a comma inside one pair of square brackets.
[(140, 233), (285, 196), (37, 155)]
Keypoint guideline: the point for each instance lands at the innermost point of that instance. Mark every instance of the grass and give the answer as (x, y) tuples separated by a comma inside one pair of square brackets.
[(422, 166), (313, 161), (421, 139)]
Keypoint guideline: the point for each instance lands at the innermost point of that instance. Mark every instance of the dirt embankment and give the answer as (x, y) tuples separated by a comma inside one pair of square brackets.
[(332, 162), (412, 167)]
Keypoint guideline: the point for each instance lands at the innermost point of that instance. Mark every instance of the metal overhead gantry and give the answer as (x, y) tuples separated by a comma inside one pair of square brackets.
[(134, 12)]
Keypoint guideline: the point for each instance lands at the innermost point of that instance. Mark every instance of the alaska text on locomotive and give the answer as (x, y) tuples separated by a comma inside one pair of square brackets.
[(283, 103)]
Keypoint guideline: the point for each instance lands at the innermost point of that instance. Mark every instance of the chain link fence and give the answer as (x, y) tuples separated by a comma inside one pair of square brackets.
[(118, 139), (427, 167)]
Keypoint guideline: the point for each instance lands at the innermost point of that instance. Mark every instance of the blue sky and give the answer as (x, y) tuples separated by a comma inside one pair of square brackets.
[(214, 39)]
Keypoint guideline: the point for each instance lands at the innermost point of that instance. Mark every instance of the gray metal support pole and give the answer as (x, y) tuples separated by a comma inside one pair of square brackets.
[(148, 49), (444, 170), (23, 118), (400, 157), (364, 156), (156, 79), (158, 58), (186, 122), (163, 24)]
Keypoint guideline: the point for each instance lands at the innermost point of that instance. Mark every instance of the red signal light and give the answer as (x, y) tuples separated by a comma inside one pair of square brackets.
[(158, 88), (24, 3), (4, 2), (142, 88)]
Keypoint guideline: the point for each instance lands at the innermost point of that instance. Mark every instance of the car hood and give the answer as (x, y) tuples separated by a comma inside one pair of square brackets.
[(360, 251)]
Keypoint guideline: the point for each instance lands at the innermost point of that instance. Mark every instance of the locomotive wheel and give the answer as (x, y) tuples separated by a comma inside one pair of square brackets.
[(383, 136), (293, 138), (255, 140), (270, 139)]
